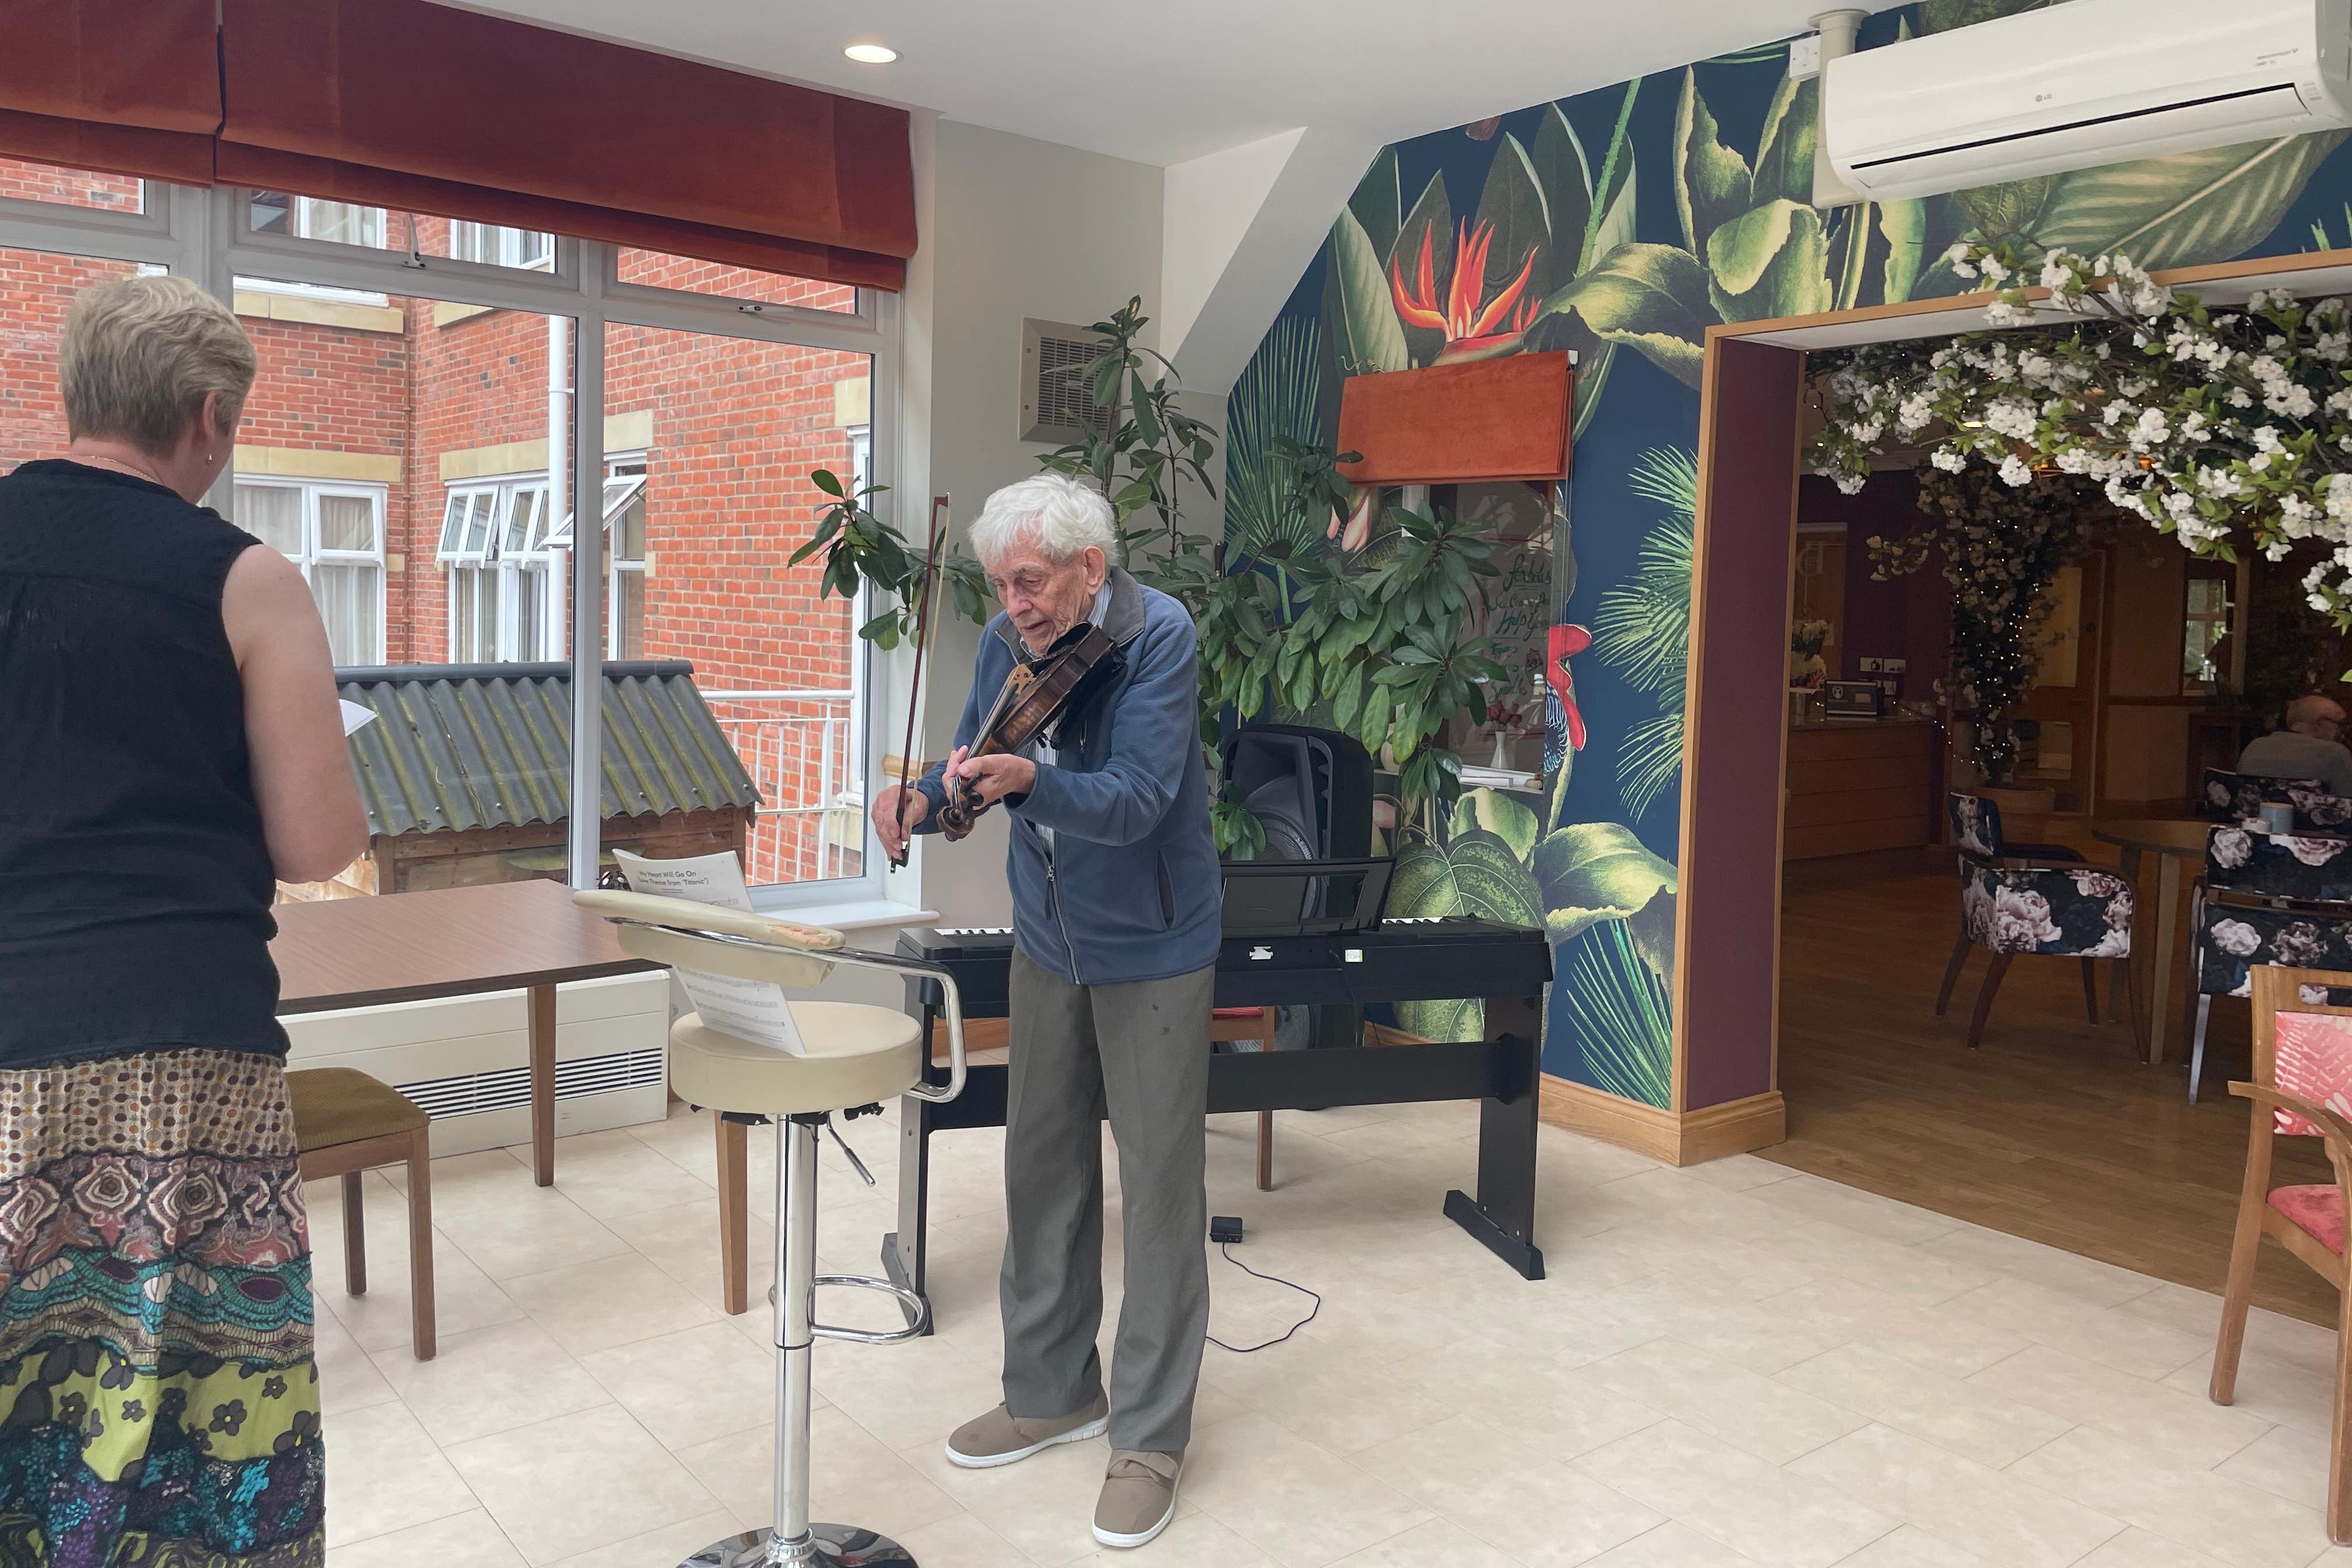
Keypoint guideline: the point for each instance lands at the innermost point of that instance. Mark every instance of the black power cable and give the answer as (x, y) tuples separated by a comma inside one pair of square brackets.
[(1250, 1349)]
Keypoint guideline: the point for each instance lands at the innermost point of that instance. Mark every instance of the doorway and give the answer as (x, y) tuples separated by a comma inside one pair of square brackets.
[(1815, 991)]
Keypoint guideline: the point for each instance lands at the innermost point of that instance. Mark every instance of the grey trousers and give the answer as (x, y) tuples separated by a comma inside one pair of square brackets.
[(1139, 1051)]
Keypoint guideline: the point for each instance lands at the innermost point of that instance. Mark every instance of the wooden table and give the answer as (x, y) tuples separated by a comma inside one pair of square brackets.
[(2175, 842), (455, 941)]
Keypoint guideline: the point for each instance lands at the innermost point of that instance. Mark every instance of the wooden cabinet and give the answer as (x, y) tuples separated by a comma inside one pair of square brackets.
[(1860, 785)]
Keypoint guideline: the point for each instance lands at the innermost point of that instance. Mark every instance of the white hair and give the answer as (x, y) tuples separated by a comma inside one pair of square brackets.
[(1057, 515)]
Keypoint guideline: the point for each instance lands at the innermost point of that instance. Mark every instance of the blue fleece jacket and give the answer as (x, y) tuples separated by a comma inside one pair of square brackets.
[(1131, 888)]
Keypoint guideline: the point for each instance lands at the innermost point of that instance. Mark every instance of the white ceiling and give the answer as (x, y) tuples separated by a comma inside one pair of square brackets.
[(1165, 80)]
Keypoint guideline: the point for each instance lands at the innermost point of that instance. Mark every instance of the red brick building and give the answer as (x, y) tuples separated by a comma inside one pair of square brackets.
[(398, 448)]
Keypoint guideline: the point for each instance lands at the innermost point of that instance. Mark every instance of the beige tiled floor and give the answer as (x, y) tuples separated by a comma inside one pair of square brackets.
[(1732, 1365)]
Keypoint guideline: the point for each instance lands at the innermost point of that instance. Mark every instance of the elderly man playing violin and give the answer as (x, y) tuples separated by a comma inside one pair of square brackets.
[(1116, 919)]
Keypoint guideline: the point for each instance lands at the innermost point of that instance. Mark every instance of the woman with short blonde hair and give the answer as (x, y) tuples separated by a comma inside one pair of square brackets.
[(172, 747)]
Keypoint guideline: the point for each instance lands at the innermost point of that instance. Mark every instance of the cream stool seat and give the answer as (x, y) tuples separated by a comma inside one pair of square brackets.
[(853, 1056), (858, 1055)]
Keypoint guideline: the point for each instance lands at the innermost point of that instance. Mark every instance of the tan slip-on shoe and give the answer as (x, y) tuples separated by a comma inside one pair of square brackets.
[(1139, 1496), (1001, 1437)]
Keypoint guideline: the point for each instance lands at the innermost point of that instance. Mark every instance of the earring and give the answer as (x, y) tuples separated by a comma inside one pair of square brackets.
[(210, 459)]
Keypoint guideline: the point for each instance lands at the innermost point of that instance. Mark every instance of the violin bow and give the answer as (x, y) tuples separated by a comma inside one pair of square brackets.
[(933, 566)]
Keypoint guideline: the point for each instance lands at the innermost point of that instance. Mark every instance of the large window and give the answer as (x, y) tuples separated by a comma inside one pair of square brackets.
[(335, 534), (414, 443), (696, 567)]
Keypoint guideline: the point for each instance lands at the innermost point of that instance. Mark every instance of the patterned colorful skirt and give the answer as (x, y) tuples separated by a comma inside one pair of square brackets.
[(159, 1406)]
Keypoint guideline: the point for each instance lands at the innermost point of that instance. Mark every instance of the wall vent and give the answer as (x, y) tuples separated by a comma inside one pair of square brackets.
[(470, 1094), (1053, 403)]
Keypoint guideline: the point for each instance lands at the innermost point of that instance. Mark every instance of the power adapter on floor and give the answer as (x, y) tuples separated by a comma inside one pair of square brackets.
[(1224, 1227)]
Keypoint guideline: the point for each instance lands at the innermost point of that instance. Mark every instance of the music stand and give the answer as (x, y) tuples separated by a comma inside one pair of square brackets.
[(1305, 897)]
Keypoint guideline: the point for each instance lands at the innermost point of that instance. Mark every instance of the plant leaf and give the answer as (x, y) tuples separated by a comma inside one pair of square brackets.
[(1614, 210), (1595, 871), (1422, 883), (1379, 204), (1784, 158), (1619, 1017), (1653, 299), (1371, 338), (1499, 815), (1513, 202), (1492, 882), (2186, 208), (1712, 183), (1905, 225), (823, 480), (1566, 179), (1772, 260)]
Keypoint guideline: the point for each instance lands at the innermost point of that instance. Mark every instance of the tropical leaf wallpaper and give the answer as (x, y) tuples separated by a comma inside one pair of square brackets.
[(1621, 223)]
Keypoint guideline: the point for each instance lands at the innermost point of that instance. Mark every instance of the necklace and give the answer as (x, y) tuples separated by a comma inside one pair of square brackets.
[(94, 460)]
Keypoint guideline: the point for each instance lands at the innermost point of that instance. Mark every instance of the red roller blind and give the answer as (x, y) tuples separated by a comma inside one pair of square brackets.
[(407, 104), (1451, 424), (125, 86)]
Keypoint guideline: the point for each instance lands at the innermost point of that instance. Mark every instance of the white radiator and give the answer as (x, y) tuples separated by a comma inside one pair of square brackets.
[(467, 1059)]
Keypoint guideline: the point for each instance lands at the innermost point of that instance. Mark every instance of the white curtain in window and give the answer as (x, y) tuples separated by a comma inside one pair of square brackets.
[(273, 515), (346, 523), (348, 595)]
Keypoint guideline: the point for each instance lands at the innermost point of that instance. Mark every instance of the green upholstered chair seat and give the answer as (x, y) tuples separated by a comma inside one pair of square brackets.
[(333, 1106)]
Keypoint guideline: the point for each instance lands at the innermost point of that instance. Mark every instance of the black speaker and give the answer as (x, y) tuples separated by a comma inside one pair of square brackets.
[(1312, 791)]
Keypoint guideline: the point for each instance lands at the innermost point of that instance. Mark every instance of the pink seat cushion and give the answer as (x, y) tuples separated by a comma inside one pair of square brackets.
[(2317, 1211), (2314, 1062)]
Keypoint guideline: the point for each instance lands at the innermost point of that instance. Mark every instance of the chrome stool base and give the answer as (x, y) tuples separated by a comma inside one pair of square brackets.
[(828, 1546)]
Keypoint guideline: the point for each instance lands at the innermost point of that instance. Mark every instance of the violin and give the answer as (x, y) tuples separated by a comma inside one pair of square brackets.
[(1038, 695)]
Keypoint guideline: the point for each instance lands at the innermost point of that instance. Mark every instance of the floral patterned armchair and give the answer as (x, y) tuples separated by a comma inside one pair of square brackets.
[(2316, 811), (1977, 830), (2048, 912), (2225, 796), (2264, 899)]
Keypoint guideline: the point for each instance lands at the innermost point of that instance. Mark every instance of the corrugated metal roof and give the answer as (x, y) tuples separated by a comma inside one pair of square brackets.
[(489, 745)]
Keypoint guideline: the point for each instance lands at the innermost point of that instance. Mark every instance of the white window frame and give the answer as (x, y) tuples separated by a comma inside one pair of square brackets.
[(496, 244), (206, 235), (313, 554), (520, 573)]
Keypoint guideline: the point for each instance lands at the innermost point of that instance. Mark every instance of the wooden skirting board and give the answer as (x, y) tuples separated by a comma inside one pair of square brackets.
[(1690, 1138)]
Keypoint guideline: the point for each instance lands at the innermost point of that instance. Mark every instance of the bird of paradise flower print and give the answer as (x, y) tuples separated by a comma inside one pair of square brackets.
[(1471, 331), (1567, 641)]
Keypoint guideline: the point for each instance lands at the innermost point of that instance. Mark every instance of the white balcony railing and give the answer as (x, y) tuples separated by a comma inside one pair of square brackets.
[(801, 749)]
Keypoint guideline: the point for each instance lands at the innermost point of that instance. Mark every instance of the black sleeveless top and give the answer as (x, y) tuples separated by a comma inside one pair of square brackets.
[(134, 883)]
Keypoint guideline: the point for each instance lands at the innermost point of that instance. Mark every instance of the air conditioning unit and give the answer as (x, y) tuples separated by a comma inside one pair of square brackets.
[(2082, 83)]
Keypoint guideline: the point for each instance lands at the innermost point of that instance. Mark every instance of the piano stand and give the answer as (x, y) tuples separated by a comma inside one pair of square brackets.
[(1502, 1072)]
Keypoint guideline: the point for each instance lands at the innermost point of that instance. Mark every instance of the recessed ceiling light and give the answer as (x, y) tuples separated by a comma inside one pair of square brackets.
[(871, 54)]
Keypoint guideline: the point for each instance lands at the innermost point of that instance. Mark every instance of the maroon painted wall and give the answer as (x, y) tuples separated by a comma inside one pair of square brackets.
[(1730, 884), (1908, 618)]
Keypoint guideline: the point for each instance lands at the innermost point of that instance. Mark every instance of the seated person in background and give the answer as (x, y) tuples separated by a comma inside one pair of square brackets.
[(2306, 749)]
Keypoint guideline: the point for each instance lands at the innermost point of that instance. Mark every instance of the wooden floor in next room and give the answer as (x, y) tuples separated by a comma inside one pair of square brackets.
[(2052, 1130)]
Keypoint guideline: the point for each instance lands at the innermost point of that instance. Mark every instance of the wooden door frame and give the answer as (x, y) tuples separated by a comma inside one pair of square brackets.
[(1727, 989)]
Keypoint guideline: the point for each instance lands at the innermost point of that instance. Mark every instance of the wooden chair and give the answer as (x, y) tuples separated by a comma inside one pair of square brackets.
[(1227, 1024), (2302, 1056), (347, 1123)]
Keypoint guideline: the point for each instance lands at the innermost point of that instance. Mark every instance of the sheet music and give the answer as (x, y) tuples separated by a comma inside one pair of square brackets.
[(749, 1010)]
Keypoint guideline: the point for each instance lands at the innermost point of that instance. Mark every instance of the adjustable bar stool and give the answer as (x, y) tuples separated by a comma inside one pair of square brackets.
[(858, 1055)]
